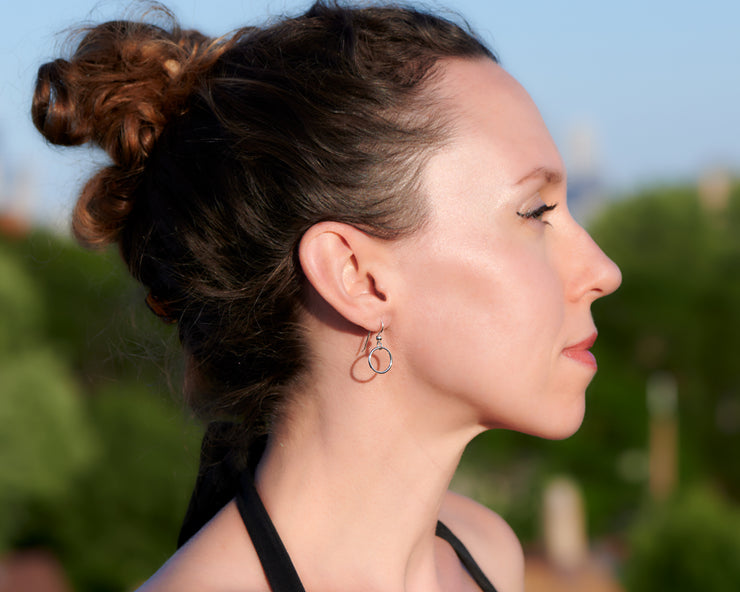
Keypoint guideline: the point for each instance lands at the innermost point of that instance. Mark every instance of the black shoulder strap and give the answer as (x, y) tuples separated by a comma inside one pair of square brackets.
[(465, 558), (279, 570), (221, 464)]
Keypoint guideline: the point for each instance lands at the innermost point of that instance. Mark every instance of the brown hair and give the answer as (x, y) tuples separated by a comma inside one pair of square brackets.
[(224, 152)]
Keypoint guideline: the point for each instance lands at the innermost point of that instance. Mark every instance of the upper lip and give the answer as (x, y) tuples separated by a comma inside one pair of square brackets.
[(585, 344)]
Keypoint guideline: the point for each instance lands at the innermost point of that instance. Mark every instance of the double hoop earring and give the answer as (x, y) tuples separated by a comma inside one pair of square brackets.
[(378, 346)]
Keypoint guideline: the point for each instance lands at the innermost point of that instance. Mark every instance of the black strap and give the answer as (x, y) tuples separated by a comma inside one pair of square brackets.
[(224, 454), (465, 558), (279, 570)]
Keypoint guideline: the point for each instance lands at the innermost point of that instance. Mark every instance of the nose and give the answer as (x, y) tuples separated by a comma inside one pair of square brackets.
[(593, 274)]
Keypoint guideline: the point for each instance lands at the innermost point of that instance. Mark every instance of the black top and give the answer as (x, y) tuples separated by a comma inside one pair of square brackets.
[(279, 570)]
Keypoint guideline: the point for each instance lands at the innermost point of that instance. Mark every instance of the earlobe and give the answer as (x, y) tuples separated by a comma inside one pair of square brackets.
[(344, 265)]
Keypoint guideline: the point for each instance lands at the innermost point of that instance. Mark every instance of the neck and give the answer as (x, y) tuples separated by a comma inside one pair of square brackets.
[(354, 480)]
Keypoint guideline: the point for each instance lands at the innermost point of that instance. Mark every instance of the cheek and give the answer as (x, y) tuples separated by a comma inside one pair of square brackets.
[(484, 321)]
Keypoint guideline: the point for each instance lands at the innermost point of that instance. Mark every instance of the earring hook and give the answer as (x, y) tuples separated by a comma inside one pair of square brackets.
[(369, 334)]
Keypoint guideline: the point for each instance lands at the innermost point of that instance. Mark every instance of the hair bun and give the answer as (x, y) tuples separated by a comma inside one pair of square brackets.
[(123, 83)]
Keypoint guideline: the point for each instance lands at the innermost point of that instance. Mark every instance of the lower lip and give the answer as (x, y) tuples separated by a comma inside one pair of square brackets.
[(581, 355)]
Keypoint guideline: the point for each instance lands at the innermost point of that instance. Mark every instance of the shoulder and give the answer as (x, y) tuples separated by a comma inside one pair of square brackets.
[(488, 537), (219, 558)]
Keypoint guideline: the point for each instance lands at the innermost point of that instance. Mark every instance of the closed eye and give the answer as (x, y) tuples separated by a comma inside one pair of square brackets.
[(538, 212)]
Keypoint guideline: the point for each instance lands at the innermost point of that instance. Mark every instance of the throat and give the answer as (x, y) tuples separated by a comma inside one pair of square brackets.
[(358, 513)]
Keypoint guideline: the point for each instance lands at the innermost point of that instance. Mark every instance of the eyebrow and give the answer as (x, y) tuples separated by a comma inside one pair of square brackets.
[(552, 176)]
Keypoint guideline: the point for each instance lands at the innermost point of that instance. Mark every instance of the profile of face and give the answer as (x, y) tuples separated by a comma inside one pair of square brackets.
[(498, 286)]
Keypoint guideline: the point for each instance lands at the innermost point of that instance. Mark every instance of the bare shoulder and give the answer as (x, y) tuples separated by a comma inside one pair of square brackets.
[(490, 540), (219, 558)]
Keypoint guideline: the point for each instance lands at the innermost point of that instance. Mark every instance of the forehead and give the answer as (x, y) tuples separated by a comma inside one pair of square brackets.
[(497, 128)]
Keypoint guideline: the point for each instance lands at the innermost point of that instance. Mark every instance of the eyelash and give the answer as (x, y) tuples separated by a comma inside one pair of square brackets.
[(537, 213)]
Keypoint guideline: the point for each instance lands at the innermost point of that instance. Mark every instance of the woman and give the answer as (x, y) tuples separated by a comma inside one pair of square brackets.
[(358, 221)]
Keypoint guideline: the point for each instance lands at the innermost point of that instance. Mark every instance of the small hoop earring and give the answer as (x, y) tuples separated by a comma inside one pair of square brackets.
[(379, 346)]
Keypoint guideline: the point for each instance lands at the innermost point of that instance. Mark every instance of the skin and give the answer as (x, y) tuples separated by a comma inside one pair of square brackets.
[(478, 308)]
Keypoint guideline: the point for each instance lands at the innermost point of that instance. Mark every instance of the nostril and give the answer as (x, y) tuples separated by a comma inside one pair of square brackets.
[(611, 277)]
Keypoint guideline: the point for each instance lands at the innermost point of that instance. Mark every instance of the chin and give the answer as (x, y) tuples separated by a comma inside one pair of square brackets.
[(553, 427), (561, 434), (556, 415), (562, 423)]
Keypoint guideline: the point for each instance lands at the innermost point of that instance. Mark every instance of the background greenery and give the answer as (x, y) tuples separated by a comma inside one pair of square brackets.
[(97, 455)]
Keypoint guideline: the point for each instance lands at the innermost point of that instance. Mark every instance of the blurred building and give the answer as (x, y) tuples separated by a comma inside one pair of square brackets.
[(715, 186), (567, 564), (16, 201), (32, 571), (586, 188)]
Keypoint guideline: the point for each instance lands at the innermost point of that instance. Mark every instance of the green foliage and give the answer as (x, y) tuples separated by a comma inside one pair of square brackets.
[(692, 543), (677, 311), (21, 308), (45, 438), (119, 521), (92, 311), (95, 463)]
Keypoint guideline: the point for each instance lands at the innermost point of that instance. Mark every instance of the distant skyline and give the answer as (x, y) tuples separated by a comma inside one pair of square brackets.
[(656, 84)]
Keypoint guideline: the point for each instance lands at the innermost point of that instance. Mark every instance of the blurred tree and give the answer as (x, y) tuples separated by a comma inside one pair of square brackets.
[(45, 440), (692, 543), (119, 520), (96, 461), (21, 304), (678, 311), (93, 312)]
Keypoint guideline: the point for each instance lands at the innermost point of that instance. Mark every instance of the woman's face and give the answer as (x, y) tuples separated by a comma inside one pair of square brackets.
[(498, 286)]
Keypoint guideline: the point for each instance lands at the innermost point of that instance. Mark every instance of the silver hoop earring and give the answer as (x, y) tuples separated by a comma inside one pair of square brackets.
[(379, 346)]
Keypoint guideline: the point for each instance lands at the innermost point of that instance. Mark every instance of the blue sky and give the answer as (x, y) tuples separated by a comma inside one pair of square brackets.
[(657, 82)]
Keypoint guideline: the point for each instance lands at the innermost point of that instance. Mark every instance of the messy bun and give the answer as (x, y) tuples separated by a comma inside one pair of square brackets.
[(225, 152), (118, 90)]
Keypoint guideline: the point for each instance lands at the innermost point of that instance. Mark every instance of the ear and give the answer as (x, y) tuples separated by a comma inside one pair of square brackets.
[(347, 268)]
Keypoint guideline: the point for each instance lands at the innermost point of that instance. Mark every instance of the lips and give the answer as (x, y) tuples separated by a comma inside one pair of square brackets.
[(580, 352)]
